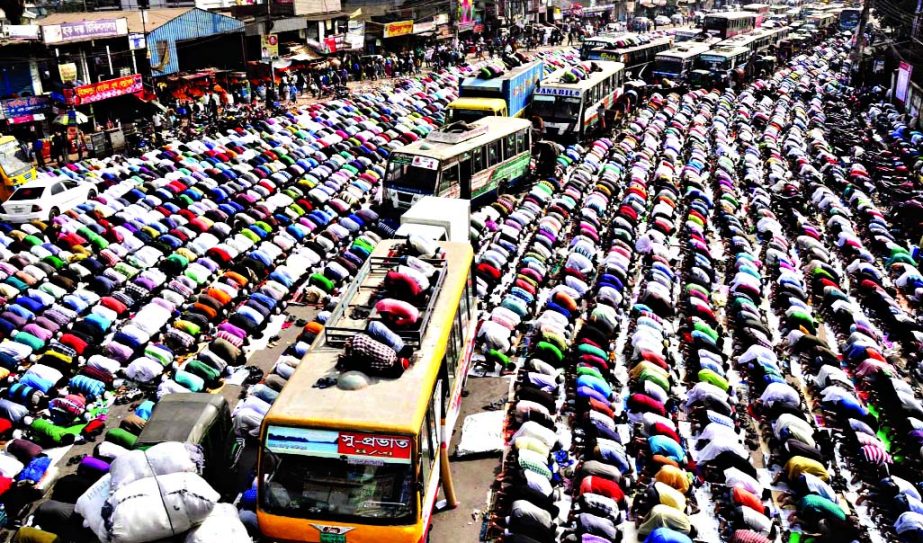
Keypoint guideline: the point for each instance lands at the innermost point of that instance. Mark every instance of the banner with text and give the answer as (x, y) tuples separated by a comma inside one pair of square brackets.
[(84, 30), (399, 28), (95, 92)]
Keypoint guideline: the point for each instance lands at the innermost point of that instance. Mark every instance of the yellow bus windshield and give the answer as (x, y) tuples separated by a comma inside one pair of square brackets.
[(12, 159), (345, 488)]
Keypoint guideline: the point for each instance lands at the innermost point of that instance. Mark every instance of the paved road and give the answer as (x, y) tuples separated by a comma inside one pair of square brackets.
[(472, 477)]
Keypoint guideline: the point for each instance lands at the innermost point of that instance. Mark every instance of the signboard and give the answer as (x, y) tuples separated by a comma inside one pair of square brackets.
[(269, 46), (26, 118), (478, 28), (330, 43), (136, 41), (355, 35), (426, 163), (95, 92), (20, 107), (84, 30), (399, 28), (441, 19), (21, 32), (420, 28), (357, 447), (551, 91), (68, 72), (395, 448), (903, 81)]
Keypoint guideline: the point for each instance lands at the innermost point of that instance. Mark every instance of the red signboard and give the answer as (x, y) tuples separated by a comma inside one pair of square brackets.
[(375, 445), (94, 92)]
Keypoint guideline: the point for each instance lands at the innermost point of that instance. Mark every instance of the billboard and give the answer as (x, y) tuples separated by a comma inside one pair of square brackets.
[(84, 30), (269, 46), (95, 92), (399, 28)]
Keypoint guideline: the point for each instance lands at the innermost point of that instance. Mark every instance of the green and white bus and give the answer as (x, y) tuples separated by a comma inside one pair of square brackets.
[(460, 160)]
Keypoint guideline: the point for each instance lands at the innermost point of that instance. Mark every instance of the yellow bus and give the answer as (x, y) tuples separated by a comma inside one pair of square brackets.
[(466, 109), (365, 465), (15, 168)]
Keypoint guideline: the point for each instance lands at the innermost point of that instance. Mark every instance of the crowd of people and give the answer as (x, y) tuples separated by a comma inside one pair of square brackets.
[(710, 312), (164, 282), (712, 324)]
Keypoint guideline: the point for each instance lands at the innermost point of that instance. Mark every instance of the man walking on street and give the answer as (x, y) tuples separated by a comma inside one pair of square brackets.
[(38, 148)]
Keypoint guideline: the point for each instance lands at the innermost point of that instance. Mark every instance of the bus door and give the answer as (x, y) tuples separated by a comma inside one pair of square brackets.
[(465, 172)]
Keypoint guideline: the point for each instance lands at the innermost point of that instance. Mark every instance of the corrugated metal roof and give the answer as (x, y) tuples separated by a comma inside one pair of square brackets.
[(155, 17), (192, 25)]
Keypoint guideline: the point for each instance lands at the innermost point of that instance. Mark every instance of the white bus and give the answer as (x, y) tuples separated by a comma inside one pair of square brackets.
[(757, 42), (675, 64), (460, 160), (571, 100), (721, 66)]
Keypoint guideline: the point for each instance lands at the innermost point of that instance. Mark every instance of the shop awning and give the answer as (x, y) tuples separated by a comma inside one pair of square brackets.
[(326, 16), (302, 53)]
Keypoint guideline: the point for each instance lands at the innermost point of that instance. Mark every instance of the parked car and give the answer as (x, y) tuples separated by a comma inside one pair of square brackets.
[(45, 199), (661, 20)]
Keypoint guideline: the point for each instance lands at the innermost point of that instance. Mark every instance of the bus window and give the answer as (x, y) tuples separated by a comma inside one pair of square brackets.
[(404, 173), (334, 488), (429, 445), (478, 160), (509, 147), (449, 179), (493, 153), (520, 141)]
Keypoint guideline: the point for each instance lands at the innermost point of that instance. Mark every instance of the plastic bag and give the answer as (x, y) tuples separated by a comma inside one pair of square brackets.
[(222, 525), (158, 507)]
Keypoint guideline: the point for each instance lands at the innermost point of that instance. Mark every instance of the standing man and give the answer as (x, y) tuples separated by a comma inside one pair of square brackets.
[(38, 148), (57, 148)]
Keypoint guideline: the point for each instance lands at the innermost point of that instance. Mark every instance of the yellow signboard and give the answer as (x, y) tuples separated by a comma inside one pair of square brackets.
[(399, 28), (68, 72)]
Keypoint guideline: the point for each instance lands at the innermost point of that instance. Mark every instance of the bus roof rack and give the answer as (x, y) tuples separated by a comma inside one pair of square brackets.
[(457, 132), (357, 304)]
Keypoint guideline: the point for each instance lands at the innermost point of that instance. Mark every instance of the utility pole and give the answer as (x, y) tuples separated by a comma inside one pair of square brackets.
[(860, 39)]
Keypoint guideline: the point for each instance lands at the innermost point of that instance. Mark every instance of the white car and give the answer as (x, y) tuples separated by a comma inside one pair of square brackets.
[(661, 20), (45, 199)]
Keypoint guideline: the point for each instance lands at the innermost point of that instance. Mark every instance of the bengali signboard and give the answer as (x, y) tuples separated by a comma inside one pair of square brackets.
[(95, 92), (19, 107), (399, 28), (356, 447), (394, 448), (84, 30)]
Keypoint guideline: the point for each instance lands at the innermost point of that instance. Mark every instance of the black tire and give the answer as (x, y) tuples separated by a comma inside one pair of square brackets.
[(52, 213), (91, 194)]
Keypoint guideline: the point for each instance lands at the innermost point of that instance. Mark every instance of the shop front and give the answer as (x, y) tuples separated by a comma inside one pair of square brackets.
[(27, 117)]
